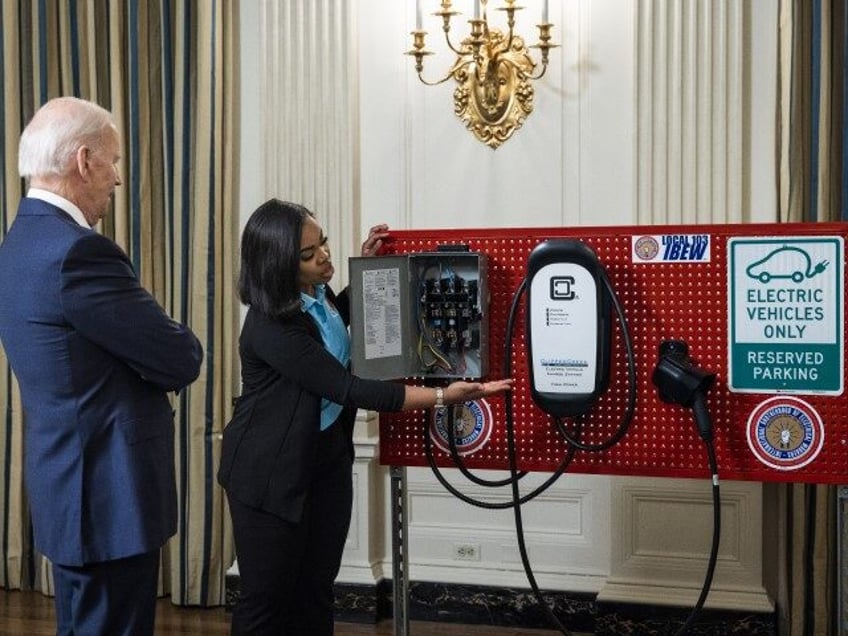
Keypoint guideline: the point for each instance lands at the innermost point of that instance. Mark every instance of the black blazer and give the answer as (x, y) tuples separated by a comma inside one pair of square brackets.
[(271, 444)]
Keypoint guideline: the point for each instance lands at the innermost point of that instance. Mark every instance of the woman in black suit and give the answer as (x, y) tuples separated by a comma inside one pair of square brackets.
[(287, 454)]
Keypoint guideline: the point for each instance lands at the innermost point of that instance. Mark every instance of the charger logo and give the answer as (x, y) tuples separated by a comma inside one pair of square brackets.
[(562, 288), (564, 362)]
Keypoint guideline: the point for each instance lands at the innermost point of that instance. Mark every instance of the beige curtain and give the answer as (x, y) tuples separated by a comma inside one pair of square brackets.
[(813, 71), (167, 70), (812, 187)]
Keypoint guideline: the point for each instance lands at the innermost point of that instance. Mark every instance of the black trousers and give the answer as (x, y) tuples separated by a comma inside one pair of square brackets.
[(286, 571), (112, 597)]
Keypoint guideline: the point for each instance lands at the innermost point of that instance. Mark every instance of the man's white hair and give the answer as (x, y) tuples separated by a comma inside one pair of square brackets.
[(55, 133)]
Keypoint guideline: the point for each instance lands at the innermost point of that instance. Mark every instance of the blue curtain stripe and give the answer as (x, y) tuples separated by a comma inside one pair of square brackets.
[(185, 217), (168, 92), (7, 415), (75, 52), (42, 51), (815, 101), (185, 169), (135, 154), (211, 298), (8, 430), (3, 198), (844, 194)]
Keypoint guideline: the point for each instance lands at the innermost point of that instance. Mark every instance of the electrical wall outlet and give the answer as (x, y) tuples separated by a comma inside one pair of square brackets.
[(466, 551)]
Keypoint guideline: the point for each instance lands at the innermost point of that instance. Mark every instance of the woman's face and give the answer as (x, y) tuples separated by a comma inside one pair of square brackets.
[(316, 267)]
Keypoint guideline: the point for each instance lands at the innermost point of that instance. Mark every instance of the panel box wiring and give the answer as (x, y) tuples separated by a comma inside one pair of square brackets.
[(419, 315)]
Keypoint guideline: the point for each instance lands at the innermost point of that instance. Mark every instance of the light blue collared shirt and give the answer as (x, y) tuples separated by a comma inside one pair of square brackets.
[(336, 341)]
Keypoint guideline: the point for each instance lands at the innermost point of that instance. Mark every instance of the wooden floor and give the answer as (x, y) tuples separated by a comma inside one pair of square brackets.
[(31, 613)]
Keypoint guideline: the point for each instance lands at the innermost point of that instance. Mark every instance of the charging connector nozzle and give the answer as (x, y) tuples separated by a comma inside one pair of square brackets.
[(680, 381)]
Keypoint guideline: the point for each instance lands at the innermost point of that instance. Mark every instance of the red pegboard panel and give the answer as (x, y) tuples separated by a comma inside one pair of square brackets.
[(662, 301)]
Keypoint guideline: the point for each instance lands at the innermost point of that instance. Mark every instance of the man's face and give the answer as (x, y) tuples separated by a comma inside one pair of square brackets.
[(102, 176)]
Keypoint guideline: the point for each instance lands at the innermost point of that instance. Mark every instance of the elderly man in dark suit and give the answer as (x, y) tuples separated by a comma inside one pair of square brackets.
[(95, 357)]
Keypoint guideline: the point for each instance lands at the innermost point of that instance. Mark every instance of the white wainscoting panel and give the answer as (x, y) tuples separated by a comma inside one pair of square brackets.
[(364, 560), (662, 534), (566, 532)]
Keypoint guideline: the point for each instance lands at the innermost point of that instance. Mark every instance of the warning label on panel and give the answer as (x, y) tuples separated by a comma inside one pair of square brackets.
[(382, 320)]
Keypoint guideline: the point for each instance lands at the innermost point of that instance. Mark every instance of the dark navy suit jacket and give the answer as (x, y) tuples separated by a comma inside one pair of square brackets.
[(95, 357)]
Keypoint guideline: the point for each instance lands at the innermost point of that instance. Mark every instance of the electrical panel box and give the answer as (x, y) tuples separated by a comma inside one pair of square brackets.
[(419, 315)]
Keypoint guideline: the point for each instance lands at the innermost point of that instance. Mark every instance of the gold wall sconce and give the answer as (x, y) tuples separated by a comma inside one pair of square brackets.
[(493, 69)]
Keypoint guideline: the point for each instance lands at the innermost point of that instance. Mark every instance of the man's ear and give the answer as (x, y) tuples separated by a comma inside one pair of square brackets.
[(82, 157)]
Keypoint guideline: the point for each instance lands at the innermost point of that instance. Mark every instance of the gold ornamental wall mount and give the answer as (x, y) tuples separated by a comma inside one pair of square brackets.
[(493, 69)]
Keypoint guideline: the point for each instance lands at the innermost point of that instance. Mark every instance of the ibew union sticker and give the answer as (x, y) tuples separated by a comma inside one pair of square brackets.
[(785, 433), (670, 248), (472, 426)]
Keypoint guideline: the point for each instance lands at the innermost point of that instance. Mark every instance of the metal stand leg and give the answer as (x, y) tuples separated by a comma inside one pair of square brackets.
[(400, 567), (842, 548)]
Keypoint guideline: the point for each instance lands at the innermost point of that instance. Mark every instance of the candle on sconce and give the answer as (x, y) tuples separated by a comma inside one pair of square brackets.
[(492, 67)]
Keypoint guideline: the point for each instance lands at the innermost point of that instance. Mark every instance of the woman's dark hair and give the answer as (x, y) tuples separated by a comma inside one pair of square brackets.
[(270, 258)]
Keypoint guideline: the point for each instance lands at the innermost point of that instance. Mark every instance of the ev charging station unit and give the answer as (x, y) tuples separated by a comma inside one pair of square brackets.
[(599, 324)]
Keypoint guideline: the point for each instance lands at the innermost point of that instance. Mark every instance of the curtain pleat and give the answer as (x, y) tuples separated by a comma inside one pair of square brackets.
[(165, 68), (813, 186), (17, 562), (841, 88), (813, 144)]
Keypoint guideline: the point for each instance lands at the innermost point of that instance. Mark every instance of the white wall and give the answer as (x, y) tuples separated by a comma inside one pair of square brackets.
[(575, 161), (421, 168)]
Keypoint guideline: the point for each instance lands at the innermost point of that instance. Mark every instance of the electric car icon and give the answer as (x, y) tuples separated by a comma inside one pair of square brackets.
[(785, 262)]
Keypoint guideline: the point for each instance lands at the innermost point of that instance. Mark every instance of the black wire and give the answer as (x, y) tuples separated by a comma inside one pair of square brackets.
[(507, 371), (435, 350), (519, 529), (627, 419), (708, 578), (450, 418), (517, 499), (572, 440), (574, 443), (489, 505), (704, 426)]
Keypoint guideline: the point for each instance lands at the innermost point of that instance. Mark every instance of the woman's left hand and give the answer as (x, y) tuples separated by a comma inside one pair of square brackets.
[(461, 391), (374, 242)]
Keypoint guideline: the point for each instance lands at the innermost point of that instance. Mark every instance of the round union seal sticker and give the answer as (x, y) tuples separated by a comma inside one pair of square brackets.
[(646, 248), (472, 426), (785, 433)]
